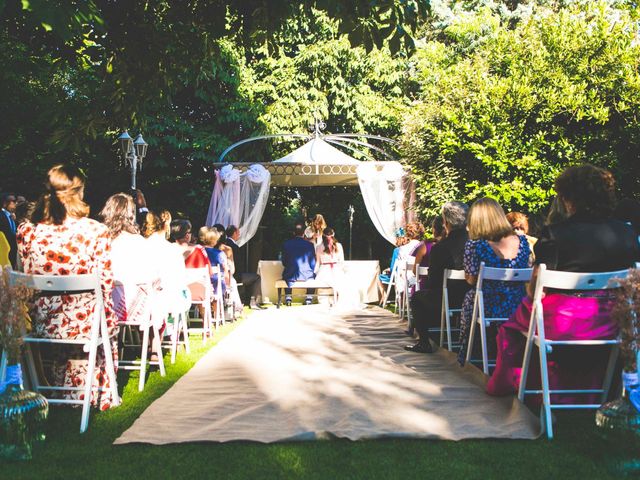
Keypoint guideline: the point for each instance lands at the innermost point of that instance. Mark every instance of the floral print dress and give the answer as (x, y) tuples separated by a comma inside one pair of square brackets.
[(77, 246), (500, 298)]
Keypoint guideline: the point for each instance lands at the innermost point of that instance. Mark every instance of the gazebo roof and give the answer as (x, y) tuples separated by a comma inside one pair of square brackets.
[(315, 164)]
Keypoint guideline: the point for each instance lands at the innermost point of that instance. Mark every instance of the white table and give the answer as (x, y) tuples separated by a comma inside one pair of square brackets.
[(363, 274)]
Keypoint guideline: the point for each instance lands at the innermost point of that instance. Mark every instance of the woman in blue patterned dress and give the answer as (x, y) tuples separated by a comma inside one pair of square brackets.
[(492, 241)]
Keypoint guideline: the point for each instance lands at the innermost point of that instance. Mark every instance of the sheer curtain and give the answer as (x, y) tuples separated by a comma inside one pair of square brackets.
[(388, 195), (240, 199)]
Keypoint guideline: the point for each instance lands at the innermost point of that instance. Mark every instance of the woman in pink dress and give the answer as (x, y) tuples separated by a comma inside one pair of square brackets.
[(589, 240), (61, 240)]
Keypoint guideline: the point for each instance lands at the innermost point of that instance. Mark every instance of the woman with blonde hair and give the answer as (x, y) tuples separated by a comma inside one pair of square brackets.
[(61, 240), (493, 241), (210, 238)]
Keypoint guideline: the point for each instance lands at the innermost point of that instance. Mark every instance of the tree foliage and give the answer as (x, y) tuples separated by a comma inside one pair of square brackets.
[(505, 103)]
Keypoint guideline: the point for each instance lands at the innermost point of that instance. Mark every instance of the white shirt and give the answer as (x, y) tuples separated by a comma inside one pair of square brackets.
[(131, 260)]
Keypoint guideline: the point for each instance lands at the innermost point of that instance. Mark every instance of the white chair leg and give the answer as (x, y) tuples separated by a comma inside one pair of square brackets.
[(157, 347), (88, 383), (177, 325), (472, 331), (546, 396), (483, 341), (111, 371), (143, 357), (608, 376), (526, 359), (185, 327)]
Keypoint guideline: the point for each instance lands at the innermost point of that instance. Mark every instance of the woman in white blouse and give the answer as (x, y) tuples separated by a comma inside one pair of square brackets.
[(133, 268)]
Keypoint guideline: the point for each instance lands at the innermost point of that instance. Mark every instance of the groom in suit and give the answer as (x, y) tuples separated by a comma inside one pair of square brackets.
[(8, 225), (299, 261)]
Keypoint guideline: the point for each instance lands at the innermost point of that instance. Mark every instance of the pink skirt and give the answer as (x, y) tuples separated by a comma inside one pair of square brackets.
[(566, 317)]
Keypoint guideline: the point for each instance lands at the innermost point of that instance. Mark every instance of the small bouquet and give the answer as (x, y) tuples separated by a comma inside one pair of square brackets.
[(627, 315), (15, 301)]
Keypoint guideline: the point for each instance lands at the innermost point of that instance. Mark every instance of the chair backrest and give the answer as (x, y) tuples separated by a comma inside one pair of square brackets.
[(57, 283), (578, 281), (452, 275), (502, 274), (198, 275), (410, 260), (423, 271)]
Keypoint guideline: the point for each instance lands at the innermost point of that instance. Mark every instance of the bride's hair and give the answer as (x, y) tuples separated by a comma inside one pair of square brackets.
[(329, 241)]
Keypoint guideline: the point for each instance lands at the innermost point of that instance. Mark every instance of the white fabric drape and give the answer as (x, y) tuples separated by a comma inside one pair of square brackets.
[(240, 199), (385, 197)]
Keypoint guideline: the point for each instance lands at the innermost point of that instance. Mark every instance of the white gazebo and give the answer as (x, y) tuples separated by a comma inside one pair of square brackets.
[(241, 189)]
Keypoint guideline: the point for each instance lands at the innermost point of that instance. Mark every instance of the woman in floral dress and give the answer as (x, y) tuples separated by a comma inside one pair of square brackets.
[(61, 240), (492, 241)]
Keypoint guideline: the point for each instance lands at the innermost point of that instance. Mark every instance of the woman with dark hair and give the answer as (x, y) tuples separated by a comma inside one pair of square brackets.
[(61, 240), (131, 263), (422, 251), (589, 240), (194, 255), (330, 261)]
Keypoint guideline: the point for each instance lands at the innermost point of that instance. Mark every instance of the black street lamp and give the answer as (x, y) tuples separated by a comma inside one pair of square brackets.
[(133, 153)]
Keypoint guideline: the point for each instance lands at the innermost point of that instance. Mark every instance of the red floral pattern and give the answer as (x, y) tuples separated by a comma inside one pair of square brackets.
[(78, 246)]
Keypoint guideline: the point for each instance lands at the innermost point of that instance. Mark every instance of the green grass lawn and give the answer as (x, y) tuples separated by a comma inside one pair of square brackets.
[(577, 452)]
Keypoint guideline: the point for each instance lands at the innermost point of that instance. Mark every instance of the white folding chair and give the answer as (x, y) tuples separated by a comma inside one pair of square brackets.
[(447, 311), (479, 318), (393, 279), (97, 336), (563, 281), (403, 293), (218, 297), (420, 272), (180, 319), (127, 341), (201, 277)]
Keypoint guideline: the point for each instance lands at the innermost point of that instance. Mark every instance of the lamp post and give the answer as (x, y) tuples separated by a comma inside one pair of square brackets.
[(133, 152), (351, 210)]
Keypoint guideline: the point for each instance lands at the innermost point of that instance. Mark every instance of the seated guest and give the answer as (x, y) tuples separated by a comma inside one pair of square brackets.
[(250, 280), (8, 225), (426, 304), (228, 251), (299, 261), (588, 241), (131, 262), (168, 266), (520, 224), (493, 241), (401, 239), (194, 255), (557, 212), (209, 237), (424, 249), (61, 240)]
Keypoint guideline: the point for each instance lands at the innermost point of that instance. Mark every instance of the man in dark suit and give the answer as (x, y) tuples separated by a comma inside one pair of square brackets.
[(299, 261), (426, 304), (8, 225), (250, 280)]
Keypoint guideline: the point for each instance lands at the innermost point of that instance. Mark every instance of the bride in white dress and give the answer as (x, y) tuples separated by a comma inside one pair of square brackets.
[(330, 268)]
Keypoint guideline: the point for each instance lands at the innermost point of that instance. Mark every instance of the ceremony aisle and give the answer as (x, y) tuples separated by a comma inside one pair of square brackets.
[(303, 373)]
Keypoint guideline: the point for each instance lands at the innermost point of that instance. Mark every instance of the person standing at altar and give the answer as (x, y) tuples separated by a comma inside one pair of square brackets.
[(250, 280), (299, 262), (314, 231)]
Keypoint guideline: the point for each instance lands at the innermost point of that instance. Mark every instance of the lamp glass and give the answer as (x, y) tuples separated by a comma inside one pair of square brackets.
[(126, 143), (141, 147)]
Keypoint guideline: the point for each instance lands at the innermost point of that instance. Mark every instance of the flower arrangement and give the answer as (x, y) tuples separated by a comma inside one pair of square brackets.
[(15, 301), (627, 315)]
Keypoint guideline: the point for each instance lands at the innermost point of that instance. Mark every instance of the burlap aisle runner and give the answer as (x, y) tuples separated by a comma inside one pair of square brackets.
[(302, 373)]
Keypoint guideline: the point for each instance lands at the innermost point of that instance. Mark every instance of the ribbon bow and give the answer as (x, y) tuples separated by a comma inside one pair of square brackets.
[(400, 232)]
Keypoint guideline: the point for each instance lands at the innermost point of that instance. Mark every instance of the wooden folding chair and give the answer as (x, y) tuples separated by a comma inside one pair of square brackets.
[(479, 318), (536, 335), (98, 336)]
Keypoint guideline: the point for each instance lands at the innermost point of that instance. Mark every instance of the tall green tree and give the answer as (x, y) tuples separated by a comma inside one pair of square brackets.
[(506, 103)]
